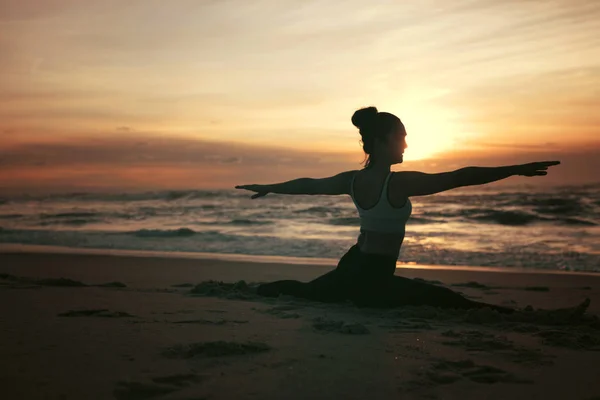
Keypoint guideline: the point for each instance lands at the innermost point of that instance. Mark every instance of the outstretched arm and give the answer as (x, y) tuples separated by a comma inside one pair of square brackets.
[(333, 185), (421, 184)]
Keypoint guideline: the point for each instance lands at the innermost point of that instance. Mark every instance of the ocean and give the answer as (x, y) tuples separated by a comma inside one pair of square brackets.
[(551, 228)]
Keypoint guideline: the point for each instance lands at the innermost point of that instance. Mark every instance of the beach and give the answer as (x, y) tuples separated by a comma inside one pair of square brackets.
[(95, 326)]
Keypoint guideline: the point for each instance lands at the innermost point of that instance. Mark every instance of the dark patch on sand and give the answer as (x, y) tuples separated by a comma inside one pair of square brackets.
[(210, 322), (281, 311), (112, 284), (474, 285), (521, 328), (282, 363), (587, 288), (215, 349), (483, 316), (183, 285), (537, 288), (59, 282), (477, 340), (8, 277), (157, 290), (239, 290), (415, 325), (63, 282), (324, 325), (96, 313), (177, 312), (43, 282), (424, 313)]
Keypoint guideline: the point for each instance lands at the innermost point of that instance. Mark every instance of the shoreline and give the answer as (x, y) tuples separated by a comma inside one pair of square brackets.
[(17, 248), (116, 326)]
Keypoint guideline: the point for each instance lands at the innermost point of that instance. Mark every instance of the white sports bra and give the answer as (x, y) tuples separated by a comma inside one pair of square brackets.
[(383, 217)]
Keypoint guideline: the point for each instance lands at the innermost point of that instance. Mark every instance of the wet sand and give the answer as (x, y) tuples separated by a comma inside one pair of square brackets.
[(77, 326)]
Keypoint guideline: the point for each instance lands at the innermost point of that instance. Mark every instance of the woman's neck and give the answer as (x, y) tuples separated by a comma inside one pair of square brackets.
[(380, 168)]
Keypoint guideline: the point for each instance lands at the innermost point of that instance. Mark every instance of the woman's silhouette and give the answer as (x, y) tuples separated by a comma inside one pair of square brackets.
[(365, 274)]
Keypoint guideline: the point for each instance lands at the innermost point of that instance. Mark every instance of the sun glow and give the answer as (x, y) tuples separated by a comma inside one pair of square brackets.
[(429, 133)]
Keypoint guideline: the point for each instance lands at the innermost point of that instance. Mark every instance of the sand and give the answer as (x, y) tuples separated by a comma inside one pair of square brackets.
[(82, 326)]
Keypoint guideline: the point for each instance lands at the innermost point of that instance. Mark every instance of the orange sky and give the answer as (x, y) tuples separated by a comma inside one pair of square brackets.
[(201, 94)]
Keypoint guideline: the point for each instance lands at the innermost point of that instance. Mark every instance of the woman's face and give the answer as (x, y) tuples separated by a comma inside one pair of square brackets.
[(397, 144)]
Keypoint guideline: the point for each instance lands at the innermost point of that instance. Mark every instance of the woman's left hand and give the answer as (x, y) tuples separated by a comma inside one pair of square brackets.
[(259, 189)]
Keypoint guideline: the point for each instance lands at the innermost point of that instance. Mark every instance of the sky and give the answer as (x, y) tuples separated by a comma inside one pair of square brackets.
[(191, 94)]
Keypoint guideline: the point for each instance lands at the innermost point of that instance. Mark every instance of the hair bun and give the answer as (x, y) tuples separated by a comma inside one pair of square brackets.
[(364, 117)]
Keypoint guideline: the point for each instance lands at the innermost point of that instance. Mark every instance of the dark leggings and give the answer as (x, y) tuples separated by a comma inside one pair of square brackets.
[(368, 280)]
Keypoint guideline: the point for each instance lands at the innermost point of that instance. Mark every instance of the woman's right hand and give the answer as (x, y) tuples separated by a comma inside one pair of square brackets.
[(535, 168), (259, 189)]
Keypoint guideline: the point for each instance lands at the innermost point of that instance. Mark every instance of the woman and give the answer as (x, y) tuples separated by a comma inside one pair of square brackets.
[(365, 274)]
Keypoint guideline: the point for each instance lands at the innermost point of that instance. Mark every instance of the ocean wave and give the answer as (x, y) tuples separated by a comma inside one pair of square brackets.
[(568, 215), (560, 210), (82, 214), (533, 253), (84, 217), (181, 232), (242, 221), (512, 218), (165, 195), (71, 222), (577, 221), (355, 221), (344, 221), (559, 206), (315, 210), (11, 216)]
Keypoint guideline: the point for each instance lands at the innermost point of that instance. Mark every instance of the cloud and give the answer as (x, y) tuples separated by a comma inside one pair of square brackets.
[(24, 10), (145, 150), (514, 75), (133, 162)]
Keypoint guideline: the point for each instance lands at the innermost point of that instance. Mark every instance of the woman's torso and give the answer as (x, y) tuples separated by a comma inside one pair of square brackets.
[(367, 192)]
